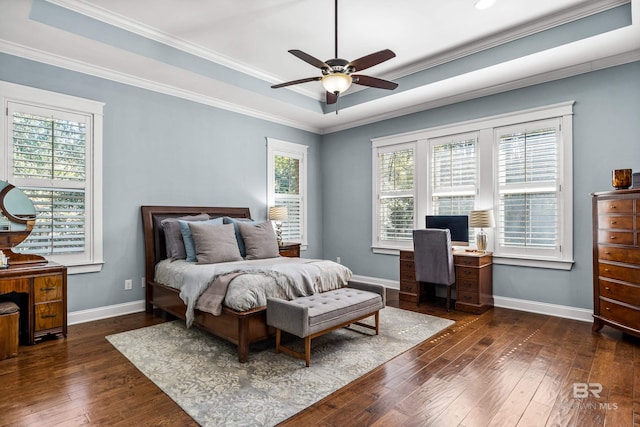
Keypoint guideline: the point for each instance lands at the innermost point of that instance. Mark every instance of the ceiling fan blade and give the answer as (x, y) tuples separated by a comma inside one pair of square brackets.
[(332, 98), (295, 82), (308, 58), (372, 59), (373, 82)]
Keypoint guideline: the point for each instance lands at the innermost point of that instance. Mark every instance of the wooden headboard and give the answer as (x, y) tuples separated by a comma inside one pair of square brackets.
[(154, 243)]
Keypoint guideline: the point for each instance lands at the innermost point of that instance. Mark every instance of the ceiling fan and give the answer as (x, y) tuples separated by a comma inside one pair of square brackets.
[(337, 74)]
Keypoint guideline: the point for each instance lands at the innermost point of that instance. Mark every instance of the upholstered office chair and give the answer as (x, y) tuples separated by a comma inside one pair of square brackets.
[(433, 259)]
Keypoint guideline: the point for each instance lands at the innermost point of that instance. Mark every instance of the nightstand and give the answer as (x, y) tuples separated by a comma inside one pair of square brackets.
[(290, 249)]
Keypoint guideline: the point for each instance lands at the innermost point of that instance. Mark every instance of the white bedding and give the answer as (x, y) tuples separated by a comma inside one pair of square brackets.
[(280, 277)]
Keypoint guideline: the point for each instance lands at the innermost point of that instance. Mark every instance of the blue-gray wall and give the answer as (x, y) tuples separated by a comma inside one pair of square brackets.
[(606, 127), (162, 150)]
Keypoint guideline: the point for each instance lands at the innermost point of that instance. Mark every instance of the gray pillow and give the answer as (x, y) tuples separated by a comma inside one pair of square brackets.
[(173, 235), (259, 240), (214, 243)]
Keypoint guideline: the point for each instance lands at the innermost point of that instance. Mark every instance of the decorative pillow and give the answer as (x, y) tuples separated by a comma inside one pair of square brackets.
[(214, 243), (173, 236), (189, 245), (235, 222), (259, 240)]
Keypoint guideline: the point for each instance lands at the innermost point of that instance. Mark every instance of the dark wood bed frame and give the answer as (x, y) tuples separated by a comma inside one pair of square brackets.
[(241, 328)]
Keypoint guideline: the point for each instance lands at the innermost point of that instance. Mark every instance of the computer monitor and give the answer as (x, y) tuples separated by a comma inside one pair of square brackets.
[(458, 226)]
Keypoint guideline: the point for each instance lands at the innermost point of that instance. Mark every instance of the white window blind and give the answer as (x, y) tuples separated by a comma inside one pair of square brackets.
[(287, 193), (395, 193), (453, 174), (287, 186), (48, 162), (528, 187)]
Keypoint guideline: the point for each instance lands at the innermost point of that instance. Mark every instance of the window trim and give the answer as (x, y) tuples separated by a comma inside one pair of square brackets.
[(485, 198), (14, 93), (290, 149), (376, 243)]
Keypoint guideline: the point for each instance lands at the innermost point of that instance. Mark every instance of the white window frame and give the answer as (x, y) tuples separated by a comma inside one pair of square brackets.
[(276, 147), (91, 260), (487, 173), (389, 246)]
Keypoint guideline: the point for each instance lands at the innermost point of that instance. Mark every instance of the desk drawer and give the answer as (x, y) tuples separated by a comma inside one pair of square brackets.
[(48, 315), (467, 297), (407, 270), (47, 288), (467, 285), (467, 273)]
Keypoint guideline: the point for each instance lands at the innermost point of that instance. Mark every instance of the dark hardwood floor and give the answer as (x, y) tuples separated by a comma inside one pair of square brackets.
[(502, 368)]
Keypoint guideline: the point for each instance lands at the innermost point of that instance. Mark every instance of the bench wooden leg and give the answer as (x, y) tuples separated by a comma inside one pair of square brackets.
[(307, 350), (278, 340)]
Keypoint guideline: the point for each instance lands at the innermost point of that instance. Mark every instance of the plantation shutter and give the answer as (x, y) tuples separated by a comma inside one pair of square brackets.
[(528, 175), (396, 193), (287, 180), (47, 161), (453, 174)]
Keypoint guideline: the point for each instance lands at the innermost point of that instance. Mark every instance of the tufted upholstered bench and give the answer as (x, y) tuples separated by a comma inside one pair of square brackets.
[(315, 315)]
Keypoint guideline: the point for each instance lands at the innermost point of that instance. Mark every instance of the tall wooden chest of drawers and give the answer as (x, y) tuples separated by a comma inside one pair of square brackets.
[(616, 260)]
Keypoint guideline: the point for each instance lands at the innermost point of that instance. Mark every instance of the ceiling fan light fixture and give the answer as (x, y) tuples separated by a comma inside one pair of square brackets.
[(336, 82), (483, 4)]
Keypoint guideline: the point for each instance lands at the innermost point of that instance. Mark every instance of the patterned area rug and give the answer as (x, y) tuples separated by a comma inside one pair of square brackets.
[(201, 373)]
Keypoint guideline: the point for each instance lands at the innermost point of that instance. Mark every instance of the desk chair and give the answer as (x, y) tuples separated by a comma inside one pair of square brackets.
[(433, 258)]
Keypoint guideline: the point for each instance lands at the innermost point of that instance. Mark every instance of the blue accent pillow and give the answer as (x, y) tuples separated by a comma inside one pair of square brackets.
[(187, 238), (234, 221)]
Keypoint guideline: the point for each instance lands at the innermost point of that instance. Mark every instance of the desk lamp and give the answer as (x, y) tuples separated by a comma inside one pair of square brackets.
[(481, 219)]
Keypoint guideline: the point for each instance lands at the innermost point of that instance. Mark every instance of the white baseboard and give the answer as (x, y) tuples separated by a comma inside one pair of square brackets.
[(393, 284), (92, 314), (556, 310)]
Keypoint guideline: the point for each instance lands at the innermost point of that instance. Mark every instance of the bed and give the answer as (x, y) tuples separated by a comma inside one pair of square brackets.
[(241, 327)]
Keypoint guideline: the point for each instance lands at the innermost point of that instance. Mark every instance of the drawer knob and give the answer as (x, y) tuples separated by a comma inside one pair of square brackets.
[(606, 269), (607, 308), (613, 237), (613, 222), (44, 316), (607, 253), (50, 288), (607, 288), (612, 206)]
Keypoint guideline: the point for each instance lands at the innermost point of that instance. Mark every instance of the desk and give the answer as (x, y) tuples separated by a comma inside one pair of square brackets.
[(474, 280), (46, 288)]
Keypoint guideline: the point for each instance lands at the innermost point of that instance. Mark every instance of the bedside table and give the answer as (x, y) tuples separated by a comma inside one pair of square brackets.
[(290, 249)]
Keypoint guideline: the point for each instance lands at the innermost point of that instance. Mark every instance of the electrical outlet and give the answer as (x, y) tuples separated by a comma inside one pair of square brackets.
[(128, 285), (338, 260), (143, 282)]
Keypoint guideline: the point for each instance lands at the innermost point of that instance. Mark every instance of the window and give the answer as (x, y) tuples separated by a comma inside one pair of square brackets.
[(394, 195), (287, 186), (50, 143), (518, 164), (453, 175), (528, 188)]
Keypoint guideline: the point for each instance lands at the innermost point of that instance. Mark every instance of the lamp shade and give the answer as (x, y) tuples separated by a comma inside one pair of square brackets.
[(336, 82), (481, 219), (278, 213)]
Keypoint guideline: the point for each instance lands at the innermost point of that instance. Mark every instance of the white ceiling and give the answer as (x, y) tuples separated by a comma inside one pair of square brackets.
[(252, 37)]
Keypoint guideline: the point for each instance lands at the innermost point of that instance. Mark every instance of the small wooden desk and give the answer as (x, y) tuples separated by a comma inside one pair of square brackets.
[(46, 288), (474, 280)]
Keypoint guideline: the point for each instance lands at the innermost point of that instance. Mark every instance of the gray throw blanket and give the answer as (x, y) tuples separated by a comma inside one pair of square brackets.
[(247, 284)]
